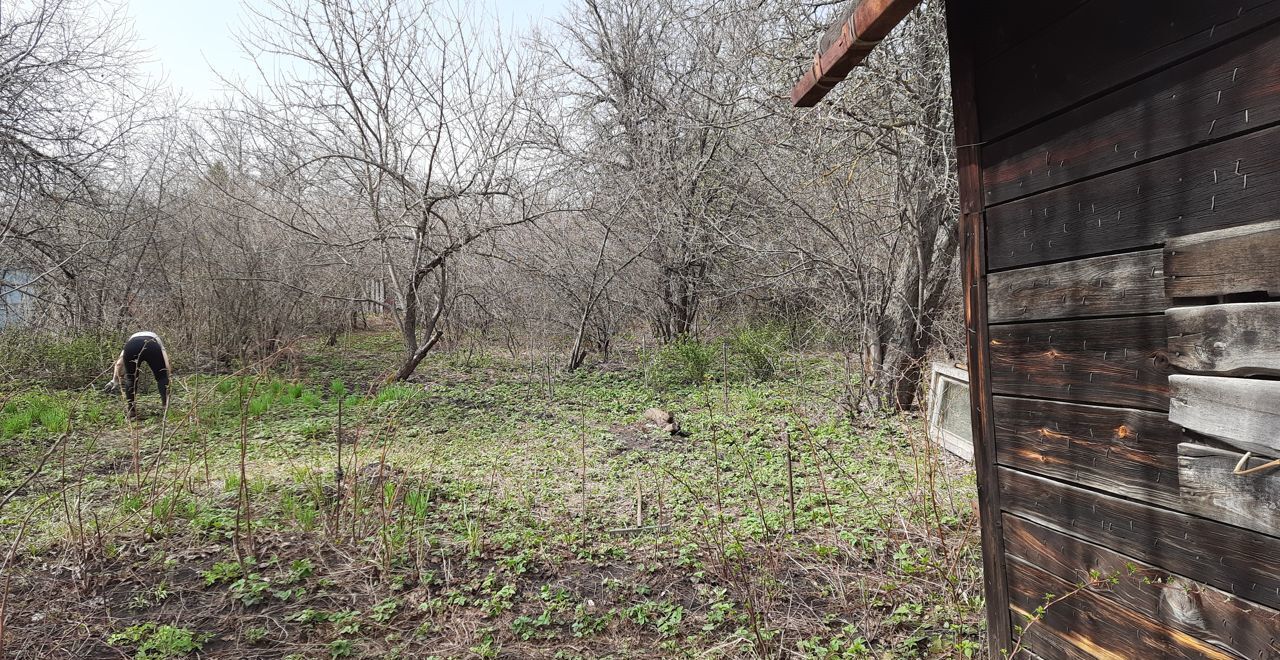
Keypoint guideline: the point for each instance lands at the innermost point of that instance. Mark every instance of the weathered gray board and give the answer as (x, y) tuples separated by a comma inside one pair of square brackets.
[(1131, 283), (1241, 412), (1201, 264), (1206, 479), (1241, 339)]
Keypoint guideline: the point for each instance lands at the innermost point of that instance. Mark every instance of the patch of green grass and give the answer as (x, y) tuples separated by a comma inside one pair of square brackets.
[(396, 393), (33, 411)]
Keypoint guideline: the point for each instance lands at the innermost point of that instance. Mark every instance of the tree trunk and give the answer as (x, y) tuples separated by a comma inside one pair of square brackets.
[(680, 301), (411, 363), (415, 351)]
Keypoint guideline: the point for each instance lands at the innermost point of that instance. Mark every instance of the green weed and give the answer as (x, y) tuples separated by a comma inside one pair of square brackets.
[(153, 641)]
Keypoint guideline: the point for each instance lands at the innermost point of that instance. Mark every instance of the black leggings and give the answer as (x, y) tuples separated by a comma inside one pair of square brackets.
[(148, 350)]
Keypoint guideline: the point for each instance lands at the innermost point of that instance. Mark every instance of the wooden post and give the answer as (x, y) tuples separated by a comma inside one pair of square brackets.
[(639, 504), (791, 483), (960, 32)]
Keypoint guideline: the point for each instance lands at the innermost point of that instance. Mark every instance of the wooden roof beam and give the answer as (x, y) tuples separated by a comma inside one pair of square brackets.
[(846, 44)]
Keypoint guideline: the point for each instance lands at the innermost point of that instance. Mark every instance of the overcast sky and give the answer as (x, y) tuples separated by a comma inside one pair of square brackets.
[(186, 38)]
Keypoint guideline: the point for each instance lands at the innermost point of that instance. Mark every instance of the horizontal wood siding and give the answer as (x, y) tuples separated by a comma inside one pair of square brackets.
[(1200, 100), (1112, 285), (1226, 184), (1101, 46), (1099, 626), (1245, 628), (1130, 453), (1003, 24), (1241, 339), (1120, 450), (1047, 644), (1109, 361), (1237, 561), (1130, 175), (1227, 261)]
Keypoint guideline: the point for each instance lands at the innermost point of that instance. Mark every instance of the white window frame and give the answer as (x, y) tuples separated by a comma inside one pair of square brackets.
[(944, 375)]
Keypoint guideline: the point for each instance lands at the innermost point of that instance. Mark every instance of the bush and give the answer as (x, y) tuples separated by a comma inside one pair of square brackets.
[(685, 361), (747, 354), (754, 351), (60, 362)]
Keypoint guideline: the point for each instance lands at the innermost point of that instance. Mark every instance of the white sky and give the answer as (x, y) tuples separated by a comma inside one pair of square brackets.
[(186, 38)]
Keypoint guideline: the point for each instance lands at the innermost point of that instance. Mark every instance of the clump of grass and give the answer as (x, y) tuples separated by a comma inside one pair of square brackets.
[(266, 395), (35, 410), (396, 393), (748, 354)]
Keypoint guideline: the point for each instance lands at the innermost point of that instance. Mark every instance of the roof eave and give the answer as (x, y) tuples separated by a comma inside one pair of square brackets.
[(846, 44)]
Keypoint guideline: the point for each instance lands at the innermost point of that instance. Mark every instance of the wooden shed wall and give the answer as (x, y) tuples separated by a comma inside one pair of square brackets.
[(1103, 148)]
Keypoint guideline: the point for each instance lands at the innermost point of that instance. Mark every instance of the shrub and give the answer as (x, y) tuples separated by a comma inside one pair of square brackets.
[(57, 361), (754, 351), (685, 361), (749, 353)]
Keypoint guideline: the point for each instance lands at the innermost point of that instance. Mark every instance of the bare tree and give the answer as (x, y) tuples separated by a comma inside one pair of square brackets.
[(69, 97), (869, 179), (392, 102), (660, 114), (638, 169)]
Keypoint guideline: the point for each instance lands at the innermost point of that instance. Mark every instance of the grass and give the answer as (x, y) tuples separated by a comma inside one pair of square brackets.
[(483, 510)]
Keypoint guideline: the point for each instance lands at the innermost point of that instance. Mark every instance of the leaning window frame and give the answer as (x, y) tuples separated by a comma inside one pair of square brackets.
[(942, 376)]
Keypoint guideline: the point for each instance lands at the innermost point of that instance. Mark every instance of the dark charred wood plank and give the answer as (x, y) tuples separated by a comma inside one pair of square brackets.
[(1028, 655), (1241, 412), (1219, 618), (1120, 450), (1112, 285), (1101, 46), (1237, 561), (1241, 339), (1042, 642), (1126, 452), (1006, 23), (1248, 629), (1118, 362), (960, 35), (1206, 478), (1227, 261), (1227, 184), (1097, 625), (1200, 100)]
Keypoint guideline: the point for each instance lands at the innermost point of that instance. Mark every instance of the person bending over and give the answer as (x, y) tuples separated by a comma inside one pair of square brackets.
[(141, 347)]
